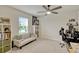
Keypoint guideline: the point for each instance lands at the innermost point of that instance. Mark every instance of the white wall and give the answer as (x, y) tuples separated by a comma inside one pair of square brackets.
[(51, 24), (14, 14)]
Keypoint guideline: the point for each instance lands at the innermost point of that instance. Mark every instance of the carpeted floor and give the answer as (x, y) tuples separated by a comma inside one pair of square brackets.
[(41, 46)]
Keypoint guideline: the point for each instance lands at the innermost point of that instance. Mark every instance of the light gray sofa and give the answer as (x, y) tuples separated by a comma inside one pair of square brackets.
[(23, 39)]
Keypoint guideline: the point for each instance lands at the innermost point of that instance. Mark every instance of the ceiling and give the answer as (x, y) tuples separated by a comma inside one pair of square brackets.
[(33, 9)]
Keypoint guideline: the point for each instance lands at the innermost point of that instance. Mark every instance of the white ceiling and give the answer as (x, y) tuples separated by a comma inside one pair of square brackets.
[(33, 9)]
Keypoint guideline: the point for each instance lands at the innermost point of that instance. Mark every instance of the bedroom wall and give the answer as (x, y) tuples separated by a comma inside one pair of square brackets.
[(13, 14), (51, 24)]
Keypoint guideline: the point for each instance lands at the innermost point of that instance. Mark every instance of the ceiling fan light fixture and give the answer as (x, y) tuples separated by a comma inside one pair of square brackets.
[(48, 12)]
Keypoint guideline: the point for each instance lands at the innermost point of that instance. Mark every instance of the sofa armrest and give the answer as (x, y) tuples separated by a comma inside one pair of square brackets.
[(17, 42)]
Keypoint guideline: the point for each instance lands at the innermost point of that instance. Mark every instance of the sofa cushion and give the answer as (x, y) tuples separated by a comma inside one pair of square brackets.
[(25, 36), (18, 37), (31, 34)]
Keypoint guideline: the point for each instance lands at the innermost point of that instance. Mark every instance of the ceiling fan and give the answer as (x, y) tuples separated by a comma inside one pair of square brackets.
[(48, 10)]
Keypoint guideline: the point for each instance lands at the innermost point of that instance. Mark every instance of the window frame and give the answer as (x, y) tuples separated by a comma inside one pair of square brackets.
[(26, 25)]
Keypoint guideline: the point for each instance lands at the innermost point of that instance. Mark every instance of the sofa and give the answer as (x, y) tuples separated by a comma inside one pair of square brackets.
[(21, 40)]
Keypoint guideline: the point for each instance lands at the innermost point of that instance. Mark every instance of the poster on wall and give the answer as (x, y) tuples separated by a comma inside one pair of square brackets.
[(35, 21)]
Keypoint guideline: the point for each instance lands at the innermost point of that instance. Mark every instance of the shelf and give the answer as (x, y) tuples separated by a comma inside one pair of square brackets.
[(0, 43), (6, 48), (5, 30), (0, 23), (0, 49), (6, 43), (7, 24)]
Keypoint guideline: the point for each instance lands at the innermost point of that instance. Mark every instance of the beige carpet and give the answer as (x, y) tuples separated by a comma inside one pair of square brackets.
[(41, 46)]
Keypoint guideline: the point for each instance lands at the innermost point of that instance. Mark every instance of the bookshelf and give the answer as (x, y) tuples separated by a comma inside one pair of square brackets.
[(5, 34)]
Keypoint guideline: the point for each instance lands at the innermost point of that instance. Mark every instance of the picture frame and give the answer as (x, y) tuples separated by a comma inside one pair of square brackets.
[(35, 21)]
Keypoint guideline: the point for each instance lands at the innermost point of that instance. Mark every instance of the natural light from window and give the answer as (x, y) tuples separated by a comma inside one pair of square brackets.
[(23, 25)]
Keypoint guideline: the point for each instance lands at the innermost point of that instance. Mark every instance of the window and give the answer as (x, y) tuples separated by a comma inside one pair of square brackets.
[(23, 25)]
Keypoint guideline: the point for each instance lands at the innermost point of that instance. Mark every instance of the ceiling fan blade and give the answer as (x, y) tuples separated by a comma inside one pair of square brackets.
[(45, 7), (41, 12), (56, 8), (55, 12)]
